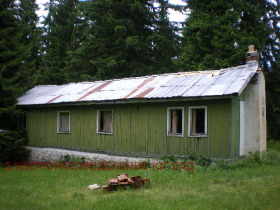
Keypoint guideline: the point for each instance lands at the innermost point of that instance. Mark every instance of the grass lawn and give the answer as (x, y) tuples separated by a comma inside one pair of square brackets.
[(255, 186)]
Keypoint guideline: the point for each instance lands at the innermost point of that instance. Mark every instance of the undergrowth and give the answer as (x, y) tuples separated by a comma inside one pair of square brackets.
[(269, 157), (200, 162)]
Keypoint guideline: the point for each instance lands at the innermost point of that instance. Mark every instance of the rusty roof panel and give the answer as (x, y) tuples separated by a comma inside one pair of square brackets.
[(139, 87), (144, 93), (183, 84), (55, 98), (96, 89)]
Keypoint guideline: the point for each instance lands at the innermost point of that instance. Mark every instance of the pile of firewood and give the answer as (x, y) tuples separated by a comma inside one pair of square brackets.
[(124, 182)]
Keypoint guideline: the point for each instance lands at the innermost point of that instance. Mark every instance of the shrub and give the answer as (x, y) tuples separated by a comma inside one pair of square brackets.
[(254, 158), (222, 164), (146, 163), (269, 157), (193, 156), (71, 158), (168, 158), (200, 159), (12, 146), (274, 145), (204, 161)]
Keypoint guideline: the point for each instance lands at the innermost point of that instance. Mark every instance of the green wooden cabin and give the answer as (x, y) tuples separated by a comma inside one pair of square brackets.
[(220, 114)]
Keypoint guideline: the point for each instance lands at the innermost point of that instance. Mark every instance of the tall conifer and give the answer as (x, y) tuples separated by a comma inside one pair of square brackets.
[(123, 39), (57, 39), (15, 56), (217, 35)]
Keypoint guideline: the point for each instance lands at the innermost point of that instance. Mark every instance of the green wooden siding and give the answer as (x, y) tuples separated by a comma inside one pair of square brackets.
[(139, 129), (235, 128)]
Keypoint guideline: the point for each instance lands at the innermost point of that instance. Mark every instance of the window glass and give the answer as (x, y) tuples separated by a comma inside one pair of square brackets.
[(197, 121), (105, 124), (175, 121), (64, 122)]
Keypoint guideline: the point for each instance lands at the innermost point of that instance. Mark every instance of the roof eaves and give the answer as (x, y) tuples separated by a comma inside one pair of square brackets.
[(129, 101)]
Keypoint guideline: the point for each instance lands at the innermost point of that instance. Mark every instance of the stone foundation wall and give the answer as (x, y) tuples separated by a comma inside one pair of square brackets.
[(52, 155)]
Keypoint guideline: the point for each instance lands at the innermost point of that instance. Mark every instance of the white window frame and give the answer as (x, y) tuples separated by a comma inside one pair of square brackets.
[(169, 109), (58, 121), (98, 121), (190, 121)]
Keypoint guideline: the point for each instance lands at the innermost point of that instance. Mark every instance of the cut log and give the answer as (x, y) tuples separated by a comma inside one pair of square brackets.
[(124, 182), (113, 182), (105, 187), (129, 181), (138, 182), (122, 177), (136, 178)]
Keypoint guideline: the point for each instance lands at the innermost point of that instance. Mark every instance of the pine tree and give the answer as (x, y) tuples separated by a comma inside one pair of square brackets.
[(273, 101), (123, 39), (165, 40), (30, 38), (217, 35), (78, 66), (218, 32), (15, 51), (271, 65), (117, 42), (58, 39)]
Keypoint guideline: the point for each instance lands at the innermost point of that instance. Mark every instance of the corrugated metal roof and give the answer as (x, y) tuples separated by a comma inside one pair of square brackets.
[(183, 84)]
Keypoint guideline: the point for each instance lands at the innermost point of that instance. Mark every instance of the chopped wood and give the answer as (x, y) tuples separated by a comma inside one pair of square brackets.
[(129, 181), (124, 182), (113, 181), (122, 177), (134, 178), (105, 187)]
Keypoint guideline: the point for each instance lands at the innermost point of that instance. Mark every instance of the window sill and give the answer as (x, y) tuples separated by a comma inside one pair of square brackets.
[(175, 135), (63, 132), (104, 133), (198, 136)]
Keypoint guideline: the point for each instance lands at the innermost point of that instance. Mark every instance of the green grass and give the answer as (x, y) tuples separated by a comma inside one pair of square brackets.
[(251, 186)]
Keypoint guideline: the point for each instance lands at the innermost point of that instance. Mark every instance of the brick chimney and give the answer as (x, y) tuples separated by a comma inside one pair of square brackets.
[(252, 54)]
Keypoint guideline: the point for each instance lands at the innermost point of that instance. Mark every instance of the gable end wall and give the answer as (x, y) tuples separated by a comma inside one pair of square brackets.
[(253, 134)]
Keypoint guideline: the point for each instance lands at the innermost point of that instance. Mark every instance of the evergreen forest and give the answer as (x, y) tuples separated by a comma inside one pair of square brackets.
[(107, 39)]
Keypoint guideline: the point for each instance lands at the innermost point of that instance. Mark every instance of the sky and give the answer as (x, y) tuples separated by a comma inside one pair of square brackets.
[(173, 15)]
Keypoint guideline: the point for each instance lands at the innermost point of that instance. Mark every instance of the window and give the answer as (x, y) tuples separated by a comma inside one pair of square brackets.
[(175, 122), (198, 121), (105, 121), (63, 122)]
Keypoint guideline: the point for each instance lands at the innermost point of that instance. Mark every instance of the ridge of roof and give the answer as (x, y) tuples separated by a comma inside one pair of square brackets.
[(180, 73)]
